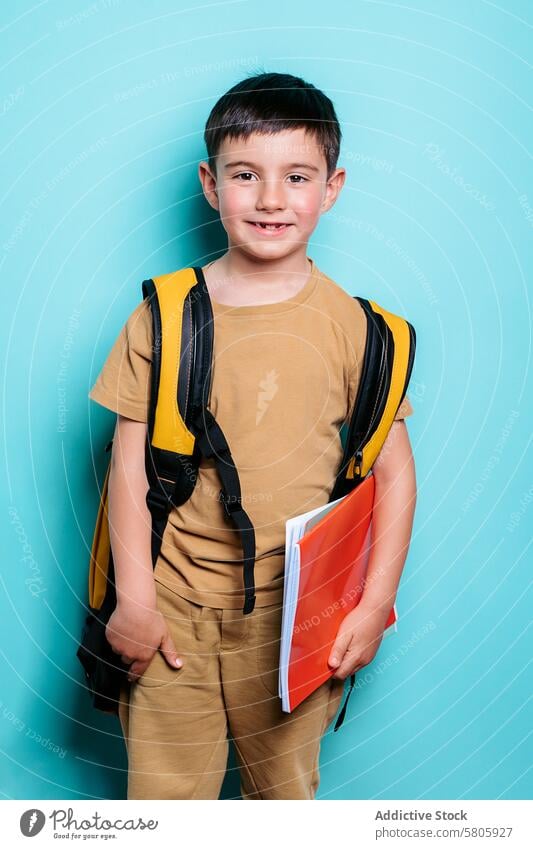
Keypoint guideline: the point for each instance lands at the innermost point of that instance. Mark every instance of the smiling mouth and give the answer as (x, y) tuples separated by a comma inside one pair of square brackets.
[(273, 227)]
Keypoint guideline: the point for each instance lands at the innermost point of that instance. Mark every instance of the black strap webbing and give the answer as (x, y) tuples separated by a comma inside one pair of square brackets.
[(159, 501), (342, 714), (211, 442)]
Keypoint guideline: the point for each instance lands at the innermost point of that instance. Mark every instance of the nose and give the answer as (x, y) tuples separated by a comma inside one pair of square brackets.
[(271, 195)]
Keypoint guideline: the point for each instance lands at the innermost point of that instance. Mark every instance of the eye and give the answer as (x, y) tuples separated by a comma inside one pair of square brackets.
[(246, 174)]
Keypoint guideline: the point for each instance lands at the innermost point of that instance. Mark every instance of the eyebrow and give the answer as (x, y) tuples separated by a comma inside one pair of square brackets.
[(251, 165)]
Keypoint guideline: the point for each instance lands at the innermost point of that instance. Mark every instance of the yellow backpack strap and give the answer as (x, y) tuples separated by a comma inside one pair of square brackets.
[(99, 564), (181, 372), (172, 357), (403, 339)]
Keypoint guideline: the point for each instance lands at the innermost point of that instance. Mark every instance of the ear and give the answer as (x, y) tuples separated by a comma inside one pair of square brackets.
[(333, 188), (209, 183)]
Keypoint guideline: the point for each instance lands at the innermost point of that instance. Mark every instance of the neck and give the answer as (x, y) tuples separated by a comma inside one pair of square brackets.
[(237, 279)]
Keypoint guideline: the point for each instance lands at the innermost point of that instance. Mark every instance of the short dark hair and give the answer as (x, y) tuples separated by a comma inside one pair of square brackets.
[(271, 102)]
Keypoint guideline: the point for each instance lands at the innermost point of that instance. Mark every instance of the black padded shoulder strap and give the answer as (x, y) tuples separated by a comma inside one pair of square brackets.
[(385, 373), (210, 439), (371, 394)]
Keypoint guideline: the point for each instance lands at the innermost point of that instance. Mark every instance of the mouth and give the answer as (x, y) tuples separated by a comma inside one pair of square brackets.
[(264, 227)]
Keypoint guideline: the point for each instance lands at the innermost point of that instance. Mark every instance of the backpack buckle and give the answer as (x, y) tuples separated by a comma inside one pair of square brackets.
[(358, 460), (157, 502)]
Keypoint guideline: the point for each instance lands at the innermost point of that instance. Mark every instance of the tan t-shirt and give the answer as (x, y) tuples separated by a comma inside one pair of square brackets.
[(285, 377)]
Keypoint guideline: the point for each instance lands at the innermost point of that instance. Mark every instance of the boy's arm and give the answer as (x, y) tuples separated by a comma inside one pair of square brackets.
[(361, 631), (130, 521), (392, 519), (136, 628)]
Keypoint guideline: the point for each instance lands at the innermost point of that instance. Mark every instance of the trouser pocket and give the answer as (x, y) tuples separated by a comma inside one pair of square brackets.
[(268, 640), (177, 614)]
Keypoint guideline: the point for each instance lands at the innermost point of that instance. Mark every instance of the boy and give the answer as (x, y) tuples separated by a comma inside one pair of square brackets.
[(287, 358)]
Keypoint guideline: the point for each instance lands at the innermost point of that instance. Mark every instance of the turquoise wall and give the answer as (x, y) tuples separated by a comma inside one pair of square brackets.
[(103, 109)]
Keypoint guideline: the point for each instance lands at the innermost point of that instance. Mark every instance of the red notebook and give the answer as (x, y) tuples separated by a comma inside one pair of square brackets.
[(326, 560)]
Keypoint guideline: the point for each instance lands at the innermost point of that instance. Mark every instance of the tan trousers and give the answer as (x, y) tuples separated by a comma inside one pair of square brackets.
[(176, 722)]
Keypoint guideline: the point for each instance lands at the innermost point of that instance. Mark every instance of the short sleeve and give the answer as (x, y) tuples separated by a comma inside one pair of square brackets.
[(123, 384), (405, 409)]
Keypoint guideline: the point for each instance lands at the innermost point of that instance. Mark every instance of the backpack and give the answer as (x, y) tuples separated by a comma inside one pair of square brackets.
[(181, 430)]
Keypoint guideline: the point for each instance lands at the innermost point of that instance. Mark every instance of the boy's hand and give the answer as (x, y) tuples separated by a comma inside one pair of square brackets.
[(357, 641), (136, 634)]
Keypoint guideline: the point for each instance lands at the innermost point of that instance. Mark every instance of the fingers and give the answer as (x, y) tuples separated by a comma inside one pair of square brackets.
[(341, 675), (349, 665), (169, 652), (339, 650), (137, 669)]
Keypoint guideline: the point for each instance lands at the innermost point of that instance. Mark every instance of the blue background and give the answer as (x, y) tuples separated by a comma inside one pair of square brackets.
[(103, 110)]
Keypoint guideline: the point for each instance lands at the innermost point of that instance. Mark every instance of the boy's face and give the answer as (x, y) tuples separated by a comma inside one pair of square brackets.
[(278, 178)]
